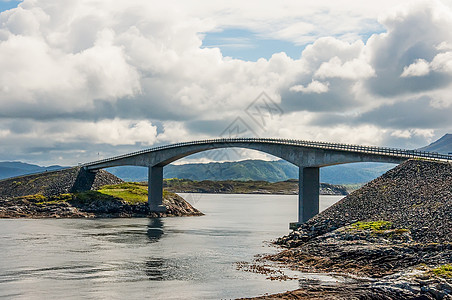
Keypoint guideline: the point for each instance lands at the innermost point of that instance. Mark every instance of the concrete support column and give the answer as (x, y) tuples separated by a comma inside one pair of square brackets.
[(308, 194), (155, 189)]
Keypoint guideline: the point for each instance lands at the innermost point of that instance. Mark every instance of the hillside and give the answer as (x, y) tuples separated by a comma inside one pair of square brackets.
[(257, 170), (416, 195), (443, 145), (56, 182)]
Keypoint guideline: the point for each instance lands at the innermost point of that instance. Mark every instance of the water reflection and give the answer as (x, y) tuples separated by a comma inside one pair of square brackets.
[(155, 229), (155, 266)]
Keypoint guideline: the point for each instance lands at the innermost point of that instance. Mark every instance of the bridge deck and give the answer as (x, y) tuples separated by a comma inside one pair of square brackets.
[(385, 151)]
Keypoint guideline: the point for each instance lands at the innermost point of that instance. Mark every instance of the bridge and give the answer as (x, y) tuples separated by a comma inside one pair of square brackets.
[(309, 156)]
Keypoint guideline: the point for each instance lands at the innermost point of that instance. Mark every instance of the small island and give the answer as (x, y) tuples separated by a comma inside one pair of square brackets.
[(76, 193), (287, 187)]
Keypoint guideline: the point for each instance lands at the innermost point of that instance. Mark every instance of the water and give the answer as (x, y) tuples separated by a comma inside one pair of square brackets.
[(168, 258)]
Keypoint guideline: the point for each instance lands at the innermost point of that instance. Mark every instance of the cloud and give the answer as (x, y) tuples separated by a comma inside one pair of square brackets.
[(353, 69), (313, 87), (106, 74), (414, 34), (419, 68)]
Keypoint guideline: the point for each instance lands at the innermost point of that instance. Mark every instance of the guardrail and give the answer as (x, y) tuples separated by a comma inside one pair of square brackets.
[(394, 152)]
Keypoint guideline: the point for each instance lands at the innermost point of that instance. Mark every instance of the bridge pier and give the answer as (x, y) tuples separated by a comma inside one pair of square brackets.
[(155, 189), (308, 194)]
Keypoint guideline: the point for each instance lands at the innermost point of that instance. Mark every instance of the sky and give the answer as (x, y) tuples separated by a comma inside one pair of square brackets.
[(87, 79)]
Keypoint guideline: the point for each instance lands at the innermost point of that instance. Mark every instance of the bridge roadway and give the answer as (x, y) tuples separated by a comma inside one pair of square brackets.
[(309, 156)]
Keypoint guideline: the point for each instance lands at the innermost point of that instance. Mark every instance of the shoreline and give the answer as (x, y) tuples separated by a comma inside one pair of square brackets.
[(396, 230)]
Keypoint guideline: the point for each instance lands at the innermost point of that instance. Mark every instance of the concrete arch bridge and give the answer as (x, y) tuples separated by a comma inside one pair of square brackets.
[(309, 156)]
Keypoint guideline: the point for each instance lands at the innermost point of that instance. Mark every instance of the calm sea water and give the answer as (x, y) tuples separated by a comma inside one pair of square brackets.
[(168, 258)]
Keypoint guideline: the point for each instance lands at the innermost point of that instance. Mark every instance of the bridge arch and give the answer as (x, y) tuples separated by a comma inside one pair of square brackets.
[(308, 156)]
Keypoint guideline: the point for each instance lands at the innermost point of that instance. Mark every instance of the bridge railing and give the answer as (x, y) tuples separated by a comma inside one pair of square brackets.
[(394, 152)]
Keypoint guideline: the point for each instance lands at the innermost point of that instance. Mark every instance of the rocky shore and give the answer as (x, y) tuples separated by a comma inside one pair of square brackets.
[(75, 193), (98, 206), (394, 236)]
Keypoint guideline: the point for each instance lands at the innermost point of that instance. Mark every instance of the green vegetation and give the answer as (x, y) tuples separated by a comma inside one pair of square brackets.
[(40, 199), (444, 271), (376, 226), (385, 228), (131, 192)]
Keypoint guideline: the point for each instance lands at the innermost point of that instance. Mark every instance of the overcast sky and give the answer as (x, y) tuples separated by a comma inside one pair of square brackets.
[(81, 80)]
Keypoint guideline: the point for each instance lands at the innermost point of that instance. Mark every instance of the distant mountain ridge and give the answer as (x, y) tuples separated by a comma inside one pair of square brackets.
[(17, 168), (443, 145), (257, 170)]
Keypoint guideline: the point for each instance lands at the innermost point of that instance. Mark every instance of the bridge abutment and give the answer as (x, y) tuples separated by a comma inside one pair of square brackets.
[(308, 194), (155, 189)]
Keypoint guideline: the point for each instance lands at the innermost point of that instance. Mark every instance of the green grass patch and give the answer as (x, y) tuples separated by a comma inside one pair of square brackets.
[(131, 192), (376, 226), (43, 200), (444, 271)]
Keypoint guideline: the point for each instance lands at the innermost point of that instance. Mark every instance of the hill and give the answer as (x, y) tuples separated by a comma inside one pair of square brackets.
[(443, 145), (54, 183), (416, 195), (257, 170), (75, 193)]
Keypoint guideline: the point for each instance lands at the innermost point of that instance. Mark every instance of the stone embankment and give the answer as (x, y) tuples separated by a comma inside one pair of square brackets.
[(395, 234), (416, 195), (56, 183), (72, 193)]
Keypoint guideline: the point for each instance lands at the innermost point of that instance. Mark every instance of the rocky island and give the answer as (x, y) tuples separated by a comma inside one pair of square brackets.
[(393, 237), (287, 187), (76, 193)]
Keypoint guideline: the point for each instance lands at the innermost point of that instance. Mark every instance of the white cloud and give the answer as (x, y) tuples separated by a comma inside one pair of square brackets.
[(407, 134), (442, 62), (313, 87), (419, 68), (108, 72), (354, 69), (114, 132)]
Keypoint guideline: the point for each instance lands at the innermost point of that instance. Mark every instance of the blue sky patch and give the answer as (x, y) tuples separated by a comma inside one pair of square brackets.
[(5, 5), (246, 45)]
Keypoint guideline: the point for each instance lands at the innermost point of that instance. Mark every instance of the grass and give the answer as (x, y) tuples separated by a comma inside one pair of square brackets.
[(131, 192), (444, 271), (375, 226), (43, 200)]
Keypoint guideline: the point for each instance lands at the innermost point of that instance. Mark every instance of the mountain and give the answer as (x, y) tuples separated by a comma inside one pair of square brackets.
[(16, 168), (259, 170), (443, 145)]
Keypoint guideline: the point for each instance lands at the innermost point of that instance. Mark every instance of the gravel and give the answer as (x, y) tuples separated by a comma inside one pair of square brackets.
[(416, 195)]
